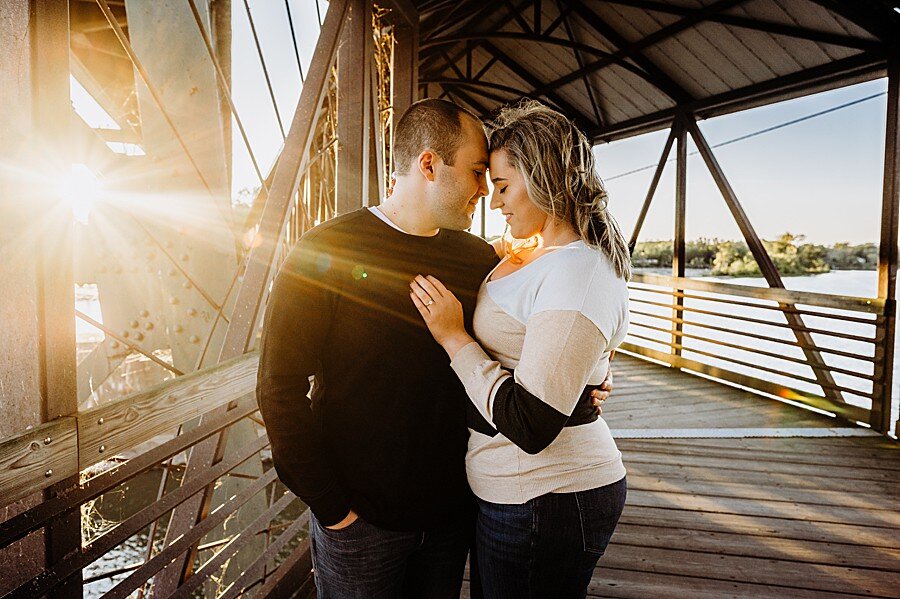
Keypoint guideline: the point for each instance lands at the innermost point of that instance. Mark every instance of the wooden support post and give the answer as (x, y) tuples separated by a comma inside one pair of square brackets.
[(654, 183), (354, 107), (55, 274), (678, 250), (766, 265), (880, 416), (250, 297)]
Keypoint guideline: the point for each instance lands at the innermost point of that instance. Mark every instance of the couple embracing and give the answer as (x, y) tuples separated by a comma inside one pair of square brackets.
[(455, 385)]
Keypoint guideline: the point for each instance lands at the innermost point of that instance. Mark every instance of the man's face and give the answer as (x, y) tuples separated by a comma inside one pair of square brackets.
[(458, 188)]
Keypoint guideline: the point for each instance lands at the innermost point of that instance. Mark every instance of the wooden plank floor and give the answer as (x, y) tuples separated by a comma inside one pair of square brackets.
[(745, 516)]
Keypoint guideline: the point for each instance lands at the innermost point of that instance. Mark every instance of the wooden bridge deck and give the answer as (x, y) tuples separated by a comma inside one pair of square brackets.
[(732, 514)]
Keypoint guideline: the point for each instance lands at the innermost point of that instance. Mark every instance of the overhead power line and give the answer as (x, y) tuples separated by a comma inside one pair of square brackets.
[(760, 132)]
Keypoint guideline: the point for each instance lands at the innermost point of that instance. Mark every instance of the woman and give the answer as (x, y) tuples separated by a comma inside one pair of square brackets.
[(547, 474)]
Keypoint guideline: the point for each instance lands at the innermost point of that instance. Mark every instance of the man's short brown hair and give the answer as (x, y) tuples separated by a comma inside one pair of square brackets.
[(433, 124)]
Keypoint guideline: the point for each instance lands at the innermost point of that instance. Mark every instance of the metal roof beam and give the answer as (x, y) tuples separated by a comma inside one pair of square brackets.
[(632, 48), (795, 31), (660, 78), (532, 80), (848, 70)]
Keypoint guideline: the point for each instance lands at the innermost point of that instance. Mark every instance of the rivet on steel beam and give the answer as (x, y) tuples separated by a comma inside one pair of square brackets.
[(191, 311), (125, 334), (177, 328), (186, 284), (48, 440), (134, 324), (139, 336), (194, 339), (102, 448), (35, 446), (148, 326), (100, 420), (173, 300), (144, 313), (48, 473), (114, 344)]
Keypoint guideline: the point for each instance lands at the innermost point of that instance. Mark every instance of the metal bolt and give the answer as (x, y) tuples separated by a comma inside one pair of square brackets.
[(114, 344), (139, 336), (125, 334), (186, 284), (173, 272), (148, 326), (134, 324), (173, 300), (191, 311), (102, 448), (100, 420), (178, 328), (194, 339), (144, 313), (47, 440), (48, 473)]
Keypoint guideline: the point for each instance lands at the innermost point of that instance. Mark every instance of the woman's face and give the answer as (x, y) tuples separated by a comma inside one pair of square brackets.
[(510, 197)]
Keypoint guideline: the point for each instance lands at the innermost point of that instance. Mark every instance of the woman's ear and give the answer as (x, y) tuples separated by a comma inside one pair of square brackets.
[(426, 162)]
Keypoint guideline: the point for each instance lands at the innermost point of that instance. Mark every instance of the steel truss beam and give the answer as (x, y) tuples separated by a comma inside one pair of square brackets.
[(240, 333)]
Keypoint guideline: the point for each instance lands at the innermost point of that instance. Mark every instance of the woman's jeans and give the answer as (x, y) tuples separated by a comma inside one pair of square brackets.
[(547, 547)]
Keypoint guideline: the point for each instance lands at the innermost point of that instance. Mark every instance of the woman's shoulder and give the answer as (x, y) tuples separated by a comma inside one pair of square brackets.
[(579, 277)]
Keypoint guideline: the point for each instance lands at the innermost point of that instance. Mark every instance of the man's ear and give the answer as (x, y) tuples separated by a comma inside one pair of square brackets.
[(426, 162)]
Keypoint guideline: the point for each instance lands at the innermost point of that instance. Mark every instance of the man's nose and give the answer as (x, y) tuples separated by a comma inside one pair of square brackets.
[(482, 187)]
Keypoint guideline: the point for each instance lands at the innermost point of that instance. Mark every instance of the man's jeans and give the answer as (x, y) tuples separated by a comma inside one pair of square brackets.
[(547, 547), (363, 561)]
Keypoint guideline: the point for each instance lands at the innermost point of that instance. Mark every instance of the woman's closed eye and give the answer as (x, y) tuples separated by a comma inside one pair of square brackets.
[(504, 189)]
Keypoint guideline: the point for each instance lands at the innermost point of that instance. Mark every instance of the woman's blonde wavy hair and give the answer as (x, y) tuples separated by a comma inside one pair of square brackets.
[(557, 163)]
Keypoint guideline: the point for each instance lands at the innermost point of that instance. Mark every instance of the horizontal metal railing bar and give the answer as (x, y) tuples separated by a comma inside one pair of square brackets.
[(49, 578), (18, 526), (797, 377), (783, 325), (870, 305), (792, 342), (826, 367), (846, 411), (164, 557), (876, 318), (293, 573), (254, 572), (215, 562)]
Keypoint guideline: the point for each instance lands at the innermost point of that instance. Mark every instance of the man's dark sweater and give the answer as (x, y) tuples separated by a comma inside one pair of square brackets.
[(385, 434)]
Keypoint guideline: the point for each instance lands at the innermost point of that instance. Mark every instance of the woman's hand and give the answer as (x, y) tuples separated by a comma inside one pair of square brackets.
[(441, 311)]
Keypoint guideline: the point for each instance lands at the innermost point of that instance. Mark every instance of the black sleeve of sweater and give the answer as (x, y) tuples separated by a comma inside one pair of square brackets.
[(296, 324)]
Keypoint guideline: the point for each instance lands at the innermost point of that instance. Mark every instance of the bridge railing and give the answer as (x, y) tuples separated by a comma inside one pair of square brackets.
[(33, 461), (817, 349)]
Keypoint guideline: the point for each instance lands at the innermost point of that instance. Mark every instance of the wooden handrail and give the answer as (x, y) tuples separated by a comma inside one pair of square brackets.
[(50, 452), (785, 296)]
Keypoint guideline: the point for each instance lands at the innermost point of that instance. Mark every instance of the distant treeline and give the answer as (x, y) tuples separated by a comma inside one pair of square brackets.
[(733, 258)]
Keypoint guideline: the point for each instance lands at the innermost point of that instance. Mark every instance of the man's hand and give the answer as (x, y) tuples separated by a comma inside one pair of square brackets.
[(347, 521), (598, 396)]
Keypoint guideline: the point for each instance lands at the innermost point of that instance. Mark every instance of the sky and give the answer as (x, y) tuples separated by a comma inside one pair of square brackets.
[(821, 178)]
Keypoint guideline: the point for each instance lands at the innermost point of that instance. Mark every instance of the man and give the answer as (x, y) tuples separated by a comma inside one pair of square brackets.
[(378, 454)]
